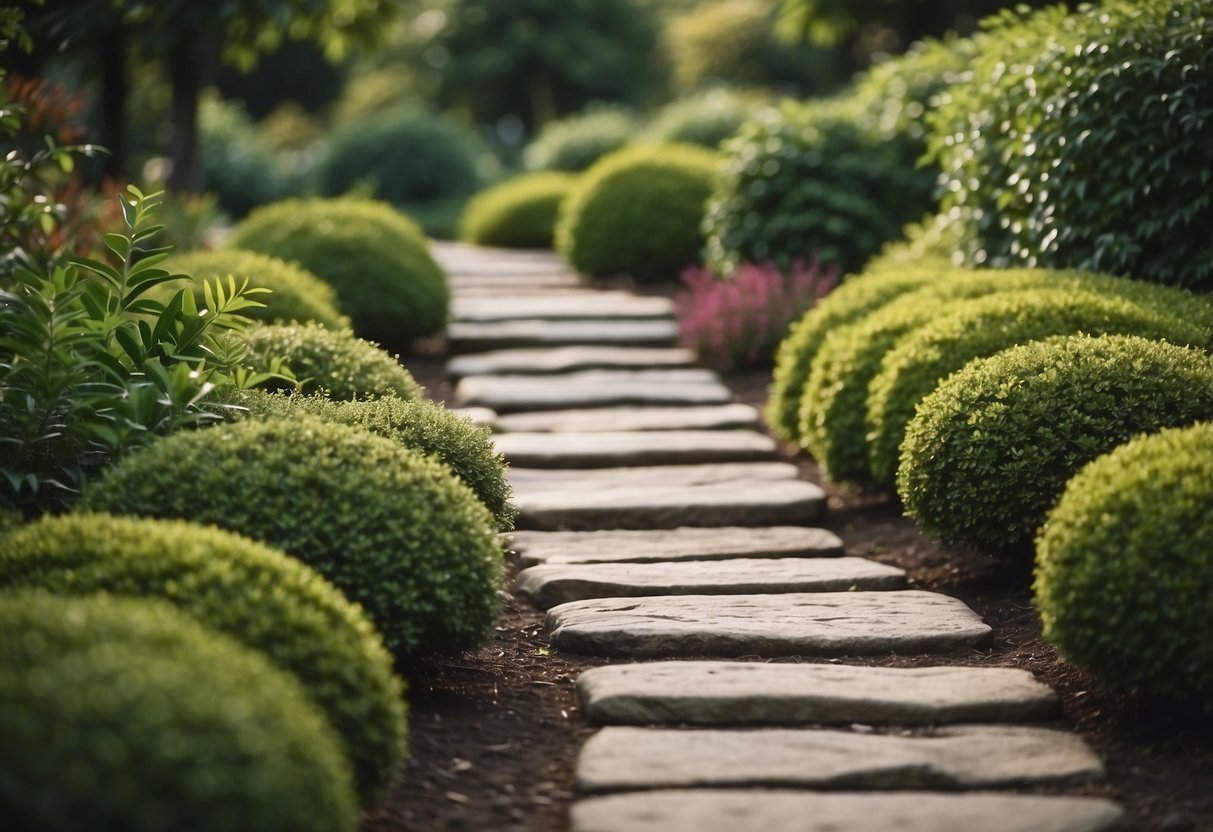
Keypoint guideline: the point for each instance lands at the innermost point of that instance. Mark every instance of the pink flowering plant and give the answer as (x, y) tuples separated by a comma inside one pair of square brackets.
[(738, 320)]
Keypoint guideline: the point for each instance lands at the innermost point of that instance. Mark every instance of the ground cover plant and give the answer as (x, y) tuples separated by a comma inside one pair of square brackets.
[(517, 213)]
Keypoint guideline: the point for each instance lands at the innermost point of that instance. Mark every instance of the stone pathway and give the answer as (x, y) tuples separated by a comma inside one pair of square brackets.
[(656, 528)]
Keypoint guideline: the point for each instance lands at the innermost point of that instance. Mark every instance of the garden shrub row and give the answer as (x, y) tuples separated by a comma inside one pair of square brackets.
[(518, 213)]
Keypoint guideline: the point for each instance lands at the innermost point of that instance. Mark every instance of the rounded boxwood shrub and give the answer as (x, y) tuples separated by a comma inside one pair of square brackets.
[(330, 359), (377, 260), (705, 119), (1124, 566), (638, 211), (984, 326), (577, 142), (991, 449), (518, 213), (295, 294), (393, 530), (245, 590), (128, 715)]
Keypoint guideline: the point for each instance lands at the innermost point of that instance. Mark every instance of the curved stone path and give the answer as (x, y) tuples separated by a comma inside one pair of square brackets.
[(658, 528)]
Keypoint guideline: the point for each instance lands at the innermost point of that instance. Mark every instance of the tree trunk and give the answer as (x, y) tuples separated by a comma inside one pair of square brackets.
[(185, 73), (114, 85)]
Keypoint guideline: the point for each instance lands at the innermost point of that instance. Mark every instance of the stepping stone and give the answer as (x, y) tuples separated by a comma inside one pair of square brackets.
[(704, 810), (706, 417), (586, 305), (630, 448), (566, 360), (593, 388), (497, 335), (956, 757), (479, 415), (682, 544), (804, 624), (512, 285), (552, 584), (538, 480), (750, 693)]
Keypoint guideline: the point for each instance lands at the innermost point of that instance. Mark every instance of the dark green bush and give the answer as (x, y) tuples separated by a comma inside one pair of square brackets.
[(245, 590), (238, 165), (1082, 140), (577, 142), (393, 530), (123, 714), (982, 327), (705, 119), (330, 359), (990, 451), (378, 261), (518, 213), (638, 212), (1124, 566)]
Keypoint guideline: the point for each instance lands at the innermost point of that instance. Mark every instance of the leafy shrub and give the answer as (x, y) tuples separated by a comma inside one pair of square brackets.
[(705, 119), (295, 293), (246, 590), (130, 715), (518, 213), (990, 451), (1082, 141), (638, 211), (333, 360), (238, 165), (376, 259), (739, 321), (577, 142), (394, 531), (1123, 566)]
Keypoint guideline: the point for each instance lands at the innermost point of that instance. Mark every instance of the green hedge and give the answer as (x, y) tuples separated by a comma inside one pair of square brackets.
[(518, 213), (245, 590), (122, 714), (991, 449), (706, 119), (394, 531), (1124, 566), (575, 143)]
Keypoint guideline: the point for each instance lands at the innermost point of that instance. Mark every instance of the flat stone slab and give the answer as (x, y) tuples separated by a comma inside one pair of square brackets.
[(755, 693), (704, 810), (538, 480), (479, 415), (497, 335), (567, 360), (513, 285), (574, 306), (681, 544), (630, 448), (707, 417), (955, 757), (551, 584), (793, 624), (593, 388)]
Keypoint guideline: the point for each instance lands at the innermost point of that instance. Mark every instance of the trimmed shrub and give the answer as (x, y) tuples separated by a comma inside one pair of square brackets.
[(577, 142), (990, 451), (238, 165), (705, 119), (332, 360), (393, 530), (638, 211), (245, 590), (378, 261), (128, 715), (518, 213), (1124, 566), (982, 327), (296, 294)]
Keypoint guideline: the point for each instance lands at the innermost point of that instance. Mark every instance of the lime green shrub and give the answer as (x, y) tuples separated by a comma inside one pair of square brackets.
[(393, 530), (706, 119), (577, 142), (254, 594), (518, 213), (123, 714), (1124, 566), (378, 261), (638, 211), (990, 450)]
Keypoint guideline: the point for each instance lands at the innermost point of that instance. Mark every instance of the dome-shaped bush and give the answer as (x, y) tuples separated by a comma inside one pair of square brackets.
[(393, 530), (378, 261), (577, 142), (638, 211), (122, 714), (1124, 566), (518, 213), (296, 294), (982, 327), (990, 450), (245, 590), (705, 119), (330, 359)]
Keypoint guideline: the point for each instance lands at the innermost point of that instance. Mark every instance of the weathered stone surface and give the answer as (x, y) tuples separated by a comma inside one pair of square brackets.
[(552, 584), (567, 360), (681, 544), (707, 417), (957, 757), (498, 335), (703, 810), (629, 448), (807, 624), (538, 480), (592, 388), (460, 258), (585, 305), (756, 693), (479, 415)]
